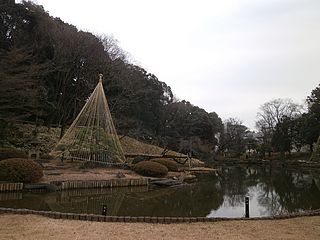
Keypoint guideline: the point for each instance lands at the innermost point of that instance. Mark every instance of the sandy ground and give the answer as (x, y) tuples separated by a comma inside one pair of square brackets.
[(70, 171), (32, 227), (90, 174)]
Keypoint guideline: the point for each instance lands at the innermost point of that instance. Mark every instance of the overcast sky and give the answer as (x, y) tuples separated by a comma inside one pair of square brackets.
[(226, 56)]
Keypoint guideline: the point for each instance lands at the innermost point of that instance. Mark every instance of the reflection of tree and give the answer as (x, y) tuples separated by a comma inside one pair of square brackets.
[(24, 201), (289, 191), (270, 200), (87, 200), (267, 196), (75, 201), (280, 191), (235, 183), (191, 200)]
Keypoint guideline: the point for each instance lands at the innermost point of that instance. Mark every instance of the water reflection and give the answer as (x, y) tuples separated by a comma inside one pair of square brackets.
[(271, 192), (284, 192)]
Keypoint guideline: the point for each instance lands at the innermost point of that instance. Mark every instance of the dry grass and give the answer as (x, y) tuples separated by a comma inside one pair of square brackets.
[(71, 171), (31, 227), (131, 145)]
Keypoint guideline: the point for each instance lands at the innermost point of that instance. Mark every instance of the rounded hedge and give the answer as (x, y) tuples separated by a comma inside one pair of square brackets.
[(6, 153), (151, 169), (20, 170), (170, 164)]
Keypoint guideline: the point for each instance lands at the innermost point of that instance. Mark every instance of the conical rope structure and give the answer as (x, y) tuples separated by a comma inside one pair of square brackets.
[(92, 135)]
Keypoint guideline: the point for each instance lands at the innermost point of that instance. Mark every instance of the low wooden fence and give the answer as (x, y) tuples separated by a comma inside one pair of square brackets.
[(65, 185), (121, 182), (11, 187)]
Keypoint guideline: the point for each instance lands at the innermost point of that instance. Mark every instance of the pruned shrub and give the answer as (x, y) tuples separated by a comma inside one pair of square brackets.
[(6, 153), (170, 164), (151, 169), (20, 170)]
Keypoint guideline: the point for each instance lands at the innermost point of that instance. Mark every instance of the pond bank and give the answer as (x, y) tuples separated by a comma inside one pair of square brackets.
[(38, 227), (70, 175), (148, 219), (275, 163)]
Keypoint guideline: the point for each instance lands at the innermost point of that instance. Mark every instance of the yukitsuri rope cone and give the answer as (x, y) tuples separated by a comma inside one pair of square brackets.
[(92, 135)]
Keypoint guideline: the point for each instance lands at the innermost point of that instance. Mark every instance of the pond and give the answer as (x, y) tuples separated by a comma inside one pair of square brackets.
[(272, 191)]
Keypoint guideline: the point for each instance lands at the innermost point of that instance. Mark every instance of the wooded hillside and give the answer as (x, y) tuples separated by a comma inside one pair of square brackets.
[(48, 68)]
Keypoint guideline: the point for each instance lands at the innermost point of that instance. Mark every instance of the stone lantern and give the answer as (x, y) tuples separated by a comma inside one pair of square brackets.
[(34, 151)]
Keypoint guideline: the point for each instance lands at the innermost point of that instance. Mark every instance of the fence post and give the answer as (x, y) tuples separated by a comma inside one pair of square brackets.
[(104, 210), (247, 207)]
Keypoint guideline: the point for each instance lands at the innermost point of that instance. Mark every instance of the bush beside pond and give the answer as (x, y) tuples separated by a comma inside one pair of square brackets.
[(6, 153), (20, 170), (170, 164), (150, 169)]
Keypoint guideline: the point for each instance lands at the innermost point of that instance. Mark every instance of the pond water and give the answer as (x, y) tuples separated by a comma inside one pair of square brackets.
[(271, 191)]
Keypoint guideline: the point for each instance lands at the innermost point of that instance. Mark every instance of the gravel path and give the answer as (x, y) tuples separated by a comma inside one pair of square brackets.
[(32, 227)]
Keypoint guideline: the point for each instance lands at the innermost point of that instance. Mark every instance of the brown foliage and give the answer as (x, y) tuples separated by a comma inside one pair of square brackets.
[(171, 165), (20, 170), (151, 169)]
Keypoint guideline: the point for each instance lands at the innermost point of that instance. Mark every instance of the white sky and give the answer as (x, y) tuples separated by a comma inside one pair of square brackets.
[(226, 56)]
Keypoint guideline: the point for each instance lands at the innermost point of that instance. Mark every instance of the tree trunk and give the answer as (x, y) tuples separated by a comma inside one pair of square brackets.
[(311, 147), (63, 127), (282, 154)]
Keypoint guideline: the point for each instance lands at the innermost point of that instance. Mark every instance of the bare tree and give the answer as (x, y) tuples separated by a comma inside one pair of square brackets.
[(273, 112), (111, 46), (233, 137)]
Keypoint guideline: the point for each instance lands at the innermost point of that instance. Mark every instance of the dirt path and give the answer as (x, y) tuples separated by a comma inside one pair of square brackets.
[(34, 227)]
